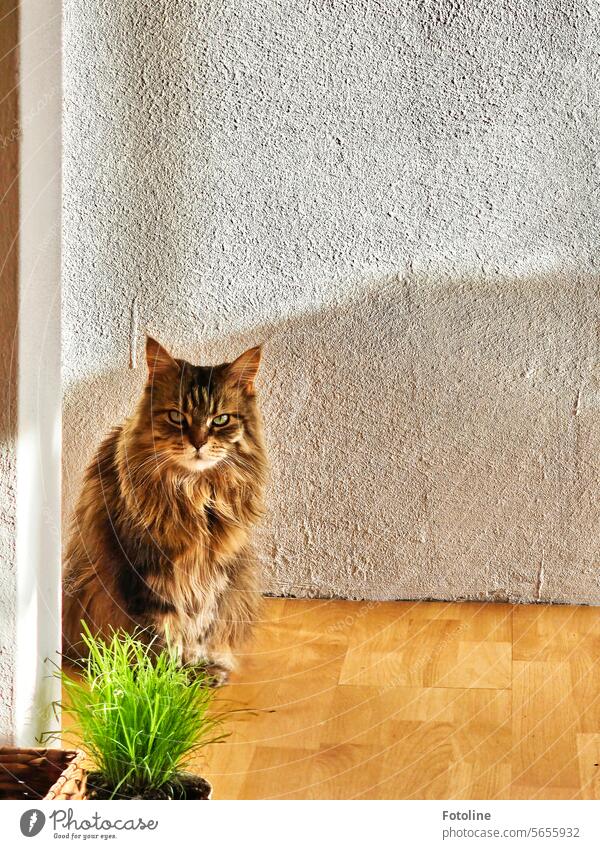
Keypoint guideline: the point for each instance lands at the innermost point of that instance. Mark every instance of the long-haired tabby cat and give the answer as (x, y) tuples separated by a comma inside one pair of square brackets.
[(160, 536)]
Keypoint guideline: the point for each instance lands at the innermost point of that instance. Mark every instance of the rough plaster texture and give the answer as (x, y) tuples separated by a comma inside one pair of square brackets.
[(401, 201), (9, 289), (8, 498)]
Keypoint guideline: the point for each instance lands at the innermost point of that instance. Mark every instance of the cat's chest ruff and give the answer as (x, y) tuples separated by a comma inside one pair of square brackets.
[(198, 526), (192, 586)]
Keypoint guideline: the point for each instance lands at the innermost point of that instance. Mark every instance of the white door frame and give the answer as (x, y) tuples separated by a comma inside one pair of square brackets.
[(38, 549)]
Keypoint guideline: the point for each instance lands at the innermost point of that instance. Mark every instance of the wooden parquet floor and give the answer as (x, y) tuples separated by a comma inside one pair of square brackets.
[(414, 700)]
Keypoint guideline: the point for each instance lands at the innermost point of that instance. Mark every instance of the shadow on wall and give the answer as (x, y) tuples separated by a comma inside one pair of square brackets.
[(427, 440)]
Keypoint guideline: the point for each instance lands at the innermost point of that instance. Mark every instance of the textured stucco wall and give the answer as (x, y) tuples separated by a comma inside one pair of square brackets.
[(401, 201), (9, 298)]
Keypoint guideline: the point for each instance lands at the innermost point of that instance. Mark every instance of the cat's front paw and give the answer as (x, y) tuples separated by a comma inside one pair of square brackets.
[(217, 676)]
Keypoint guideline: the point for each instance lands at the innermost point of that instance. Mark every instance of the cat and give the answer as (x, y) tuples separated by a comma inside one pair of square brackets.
[(160, 537)]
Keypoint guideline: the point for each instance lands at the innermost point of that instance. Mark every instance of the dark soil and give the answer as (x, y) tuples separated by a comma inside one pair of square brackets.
[(185, 786)]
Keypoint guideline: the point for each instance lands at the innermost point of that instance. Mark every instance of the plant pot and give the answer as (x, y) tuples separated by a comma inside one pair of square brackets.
[(188, 786), (34, 773)]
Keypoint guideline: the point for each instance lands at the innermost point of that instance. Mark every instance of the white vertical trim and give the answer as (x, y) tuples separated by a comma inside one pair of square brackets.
[(39, 390)]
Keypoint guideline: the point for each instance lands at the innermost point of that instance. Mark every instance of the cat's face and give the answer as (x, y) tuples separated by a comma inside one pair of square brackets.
[(198, 417)]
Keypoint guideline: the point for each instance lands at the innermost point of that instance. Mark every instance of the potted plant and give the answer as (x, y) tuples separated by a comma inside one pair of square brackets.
[(140, 716)]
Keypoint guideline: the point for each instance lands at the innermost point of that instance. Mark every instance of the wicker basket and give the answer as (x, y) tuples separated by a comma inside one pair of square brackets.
[(42, 774)]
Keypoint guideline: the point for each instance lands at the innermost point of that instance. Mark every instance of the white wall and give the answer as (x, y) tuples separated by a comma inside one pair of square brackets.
[(401, 200)]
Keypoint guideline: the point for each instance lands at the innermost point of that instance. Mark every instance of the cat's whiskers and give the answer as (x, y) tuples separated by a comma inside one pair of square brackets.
[(148, 466), (154, 471), (237, 462)]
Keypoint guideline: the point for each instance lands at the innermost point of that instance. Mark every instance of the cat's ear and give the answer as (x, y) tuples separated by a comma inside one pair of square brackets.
[(158, 358), (243, 371)]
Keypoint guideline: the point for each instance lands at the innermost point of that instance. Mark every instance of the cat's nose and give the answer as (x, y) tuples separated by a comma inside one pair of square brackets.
[(198, 439)]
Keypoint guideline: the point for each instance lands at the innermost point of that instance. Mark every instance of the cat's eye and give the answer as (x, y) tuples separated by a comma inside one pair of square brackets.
[(176, 417), (221, 420)]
